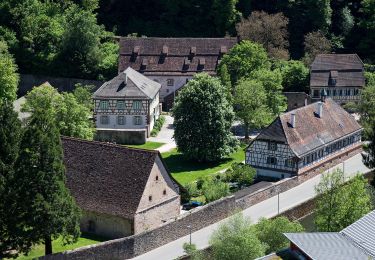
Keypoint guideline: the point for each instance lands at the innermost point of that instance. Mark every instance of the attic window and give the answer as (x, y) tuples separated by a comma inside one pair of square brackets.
[(149, 198), (164, 51), (201, 63), (193, 52), (186, 64), (144, 64), (333, 75), (164, 192), (135, 53), (156, 178), (223, 50)]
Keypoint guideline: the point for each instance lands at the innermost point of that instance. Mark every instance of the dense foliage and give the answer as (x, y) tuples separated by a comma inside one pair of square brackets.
[(202, 120), (71, 117), (338, 204), (59, 38), (240, 173), (8, 75)]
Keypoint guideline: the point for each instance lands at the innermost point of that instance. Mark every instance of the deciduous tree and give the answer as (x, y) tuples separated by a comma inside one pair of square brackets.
[(295, 75), (270, 30), (244, 59), (8, 75), (338, 204), (251, 105), (271, 232), (202, 120), (315, 43), (236, 239)]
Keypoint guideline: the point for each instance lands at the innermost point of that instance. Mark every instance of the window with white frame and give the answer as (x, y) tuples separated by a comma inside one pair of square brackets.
[(137, 105), (104, 120), (170, 82), (137, 120), (121, 120), (289, 163), (104, 104), (120, 104)]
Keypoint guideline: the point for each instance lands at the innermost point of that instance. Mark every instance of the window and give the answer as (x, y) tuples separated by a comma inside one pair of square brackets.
[(356, 92), (271, 160), (150, 198), (170, 82), (289, 163), (272, 146), (137, 104), (104, 120), (121, 120), (334, 92), (137, 120), (167, 90), (120, 105), (316, 93), (157, 178), (164, 192), (104, 104)]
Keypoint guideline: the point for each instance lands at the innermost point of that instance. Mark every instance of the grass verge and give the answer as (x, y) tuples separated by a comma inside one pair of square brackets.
[(57, 246), (185, 171), (148, 145)]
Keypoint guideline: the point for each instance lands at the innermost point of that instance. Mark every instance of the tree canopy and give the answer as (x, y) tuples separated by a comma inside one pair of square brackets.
[(8, 75), (71, 117), (339, 205), (202, 120)]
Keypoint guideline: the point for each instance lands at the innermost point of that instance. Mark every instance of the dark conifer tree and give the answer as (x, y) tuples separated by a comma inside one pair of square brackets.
[(50, 210), (10, 134)]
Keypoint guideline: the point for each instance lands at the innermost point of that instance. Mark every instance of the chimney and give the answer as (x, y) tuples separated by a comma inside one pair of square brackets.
[(126, 79), (320, 109), (293, 120), (305, 101)]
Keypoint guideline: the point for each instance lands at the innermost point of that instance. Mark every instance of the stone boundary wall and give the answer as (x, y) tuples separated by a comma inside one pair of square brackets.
[(199, 218), (28, 81), (128, 247), (121, 136), (286, 184)]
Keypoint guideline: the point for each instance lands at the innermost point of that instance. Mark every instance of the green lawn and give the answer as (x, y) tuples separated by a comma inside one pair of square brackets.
[(57, 246), (148, 145), (185, 171)]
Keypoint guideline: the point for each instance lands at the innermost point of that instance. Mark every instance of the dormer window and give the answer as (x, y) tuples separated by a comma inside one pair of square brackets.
[(164, 51), (333, 75), (144, 64)]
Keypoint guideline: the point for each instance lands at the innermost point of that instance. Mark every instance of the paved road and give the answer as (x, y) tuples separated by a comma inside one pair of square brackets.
[(267, 208), (165, 135)]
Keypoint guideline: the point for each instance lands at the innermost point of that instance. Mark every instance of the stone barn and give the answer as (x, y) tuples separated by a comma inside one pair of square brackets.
[(122, 191)]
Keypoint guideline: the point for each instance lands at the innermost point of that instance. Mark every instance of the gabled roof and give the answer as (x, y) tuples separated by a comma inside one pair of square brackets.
[(337, 62), (311, 131), (326, 246), (362, 232), (173, 56), (356, 241), (346, 69), (128, 83), (107, 178)]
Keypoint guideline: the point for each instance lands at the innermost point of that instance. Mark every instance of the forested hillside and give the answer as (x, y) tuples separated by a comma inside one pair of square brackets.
[(74, 38)]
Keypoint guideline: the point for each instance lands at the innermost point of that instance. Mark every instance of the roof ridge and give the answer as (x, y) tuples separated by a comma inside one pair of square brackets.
[(109, 144), (354, 243)]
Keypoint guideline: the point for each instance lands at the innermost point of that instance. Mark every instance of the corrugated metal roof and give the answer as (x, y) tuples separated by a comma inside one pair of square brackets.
[(326, 246), (128, 83), (362, 232)]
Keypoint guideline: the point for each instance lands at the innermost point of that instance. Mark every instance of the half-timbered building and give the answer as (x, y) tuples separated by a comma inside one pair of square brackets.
[(172, 61), (304, 139), (341, 76), (126, 106)]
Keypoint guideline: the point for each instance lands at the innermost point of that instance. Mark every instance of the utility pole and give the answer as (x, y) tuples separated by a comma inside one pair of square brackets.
[(278, 201), (189, 226)]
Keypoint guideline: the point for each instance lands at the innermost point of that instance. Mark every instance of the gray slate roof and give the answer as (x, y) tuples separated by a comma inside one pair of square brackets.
[(311, 131), (347, 69), (326, 246), (128, 83), (362, 232)]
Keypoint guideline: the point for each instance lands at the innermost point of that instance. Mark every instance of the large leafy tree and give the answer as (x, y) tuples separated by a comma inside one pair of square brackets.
[(244, 59), (11, 235), (70, 117), (338, 204), (8, 75), (48, 209), (315, 43), (271, 232), (202, 120), (236, 239), (295, 75), (367, 25), (270, 30), (251, 105)]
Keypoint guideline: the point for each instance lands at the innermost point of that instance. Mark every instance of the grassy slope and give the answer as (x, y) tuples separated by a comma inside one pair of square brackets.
[(57, 246), (148, 145), (185, 171)]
